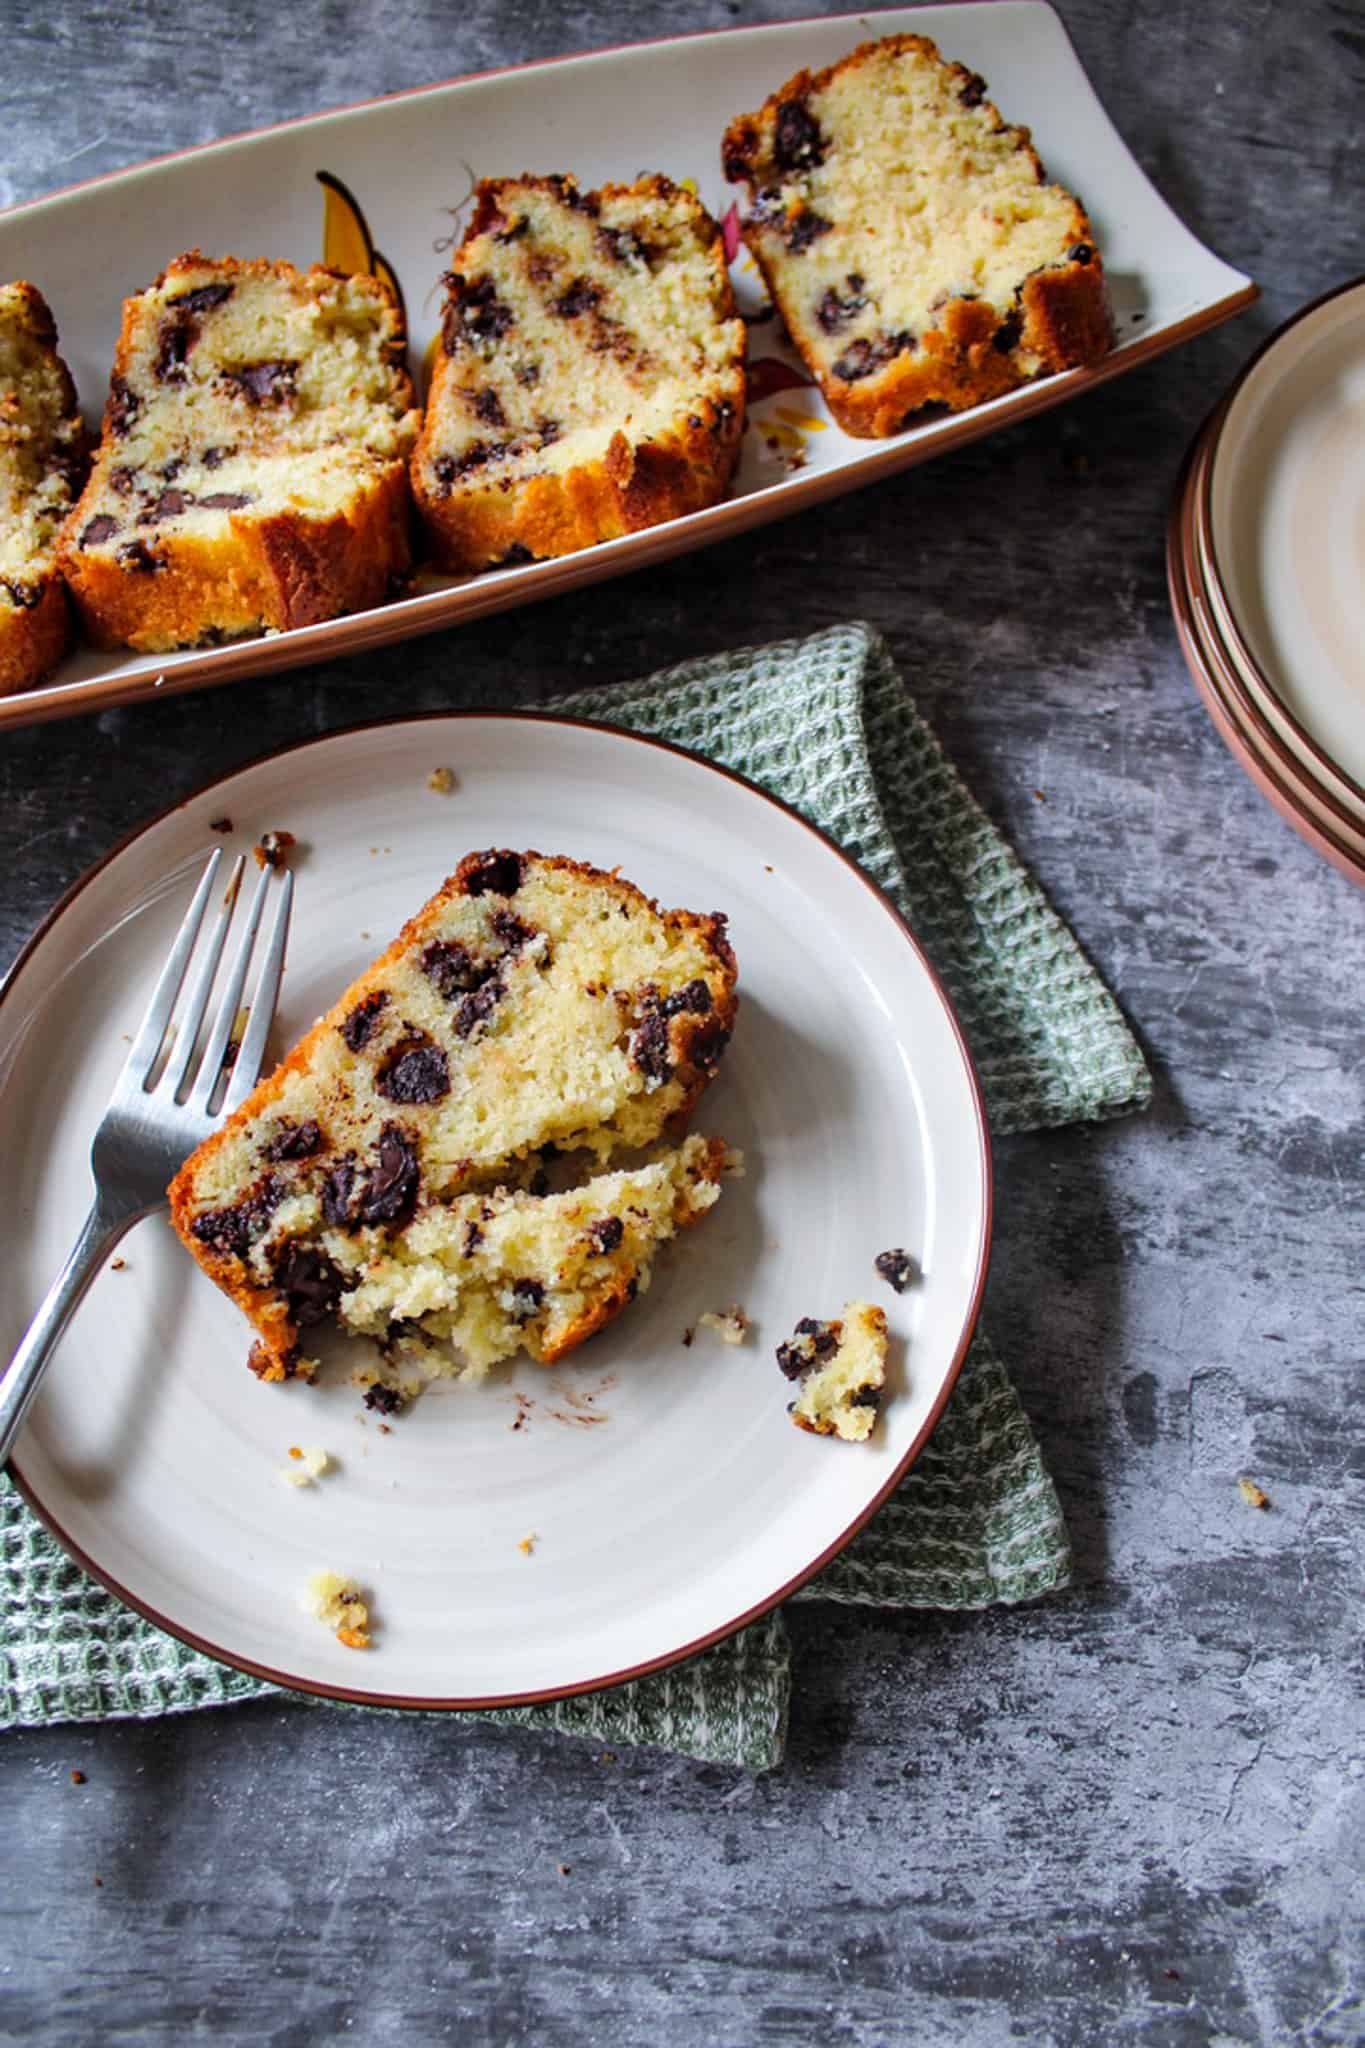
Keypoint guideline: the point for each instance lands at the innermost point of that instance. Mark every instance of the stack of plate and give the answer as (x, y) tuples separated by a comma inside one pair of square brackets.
[(1266, 562)]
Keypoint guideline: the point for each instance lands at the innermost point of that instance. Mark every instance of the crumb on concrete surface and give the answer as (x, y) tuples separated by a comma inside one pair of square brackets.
[(1252, 1494)]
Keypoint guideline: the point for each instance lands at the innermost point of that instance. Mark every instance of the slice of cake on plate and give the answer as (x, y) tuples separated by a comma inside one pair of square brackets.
[(590, 375), (43, 459), (534, 1007), (910, 239), (253, 466)]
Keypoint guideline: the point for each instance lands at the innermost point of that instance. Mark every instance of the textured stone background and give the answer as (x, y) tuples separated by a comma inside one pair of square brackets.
[(1132, 1815)]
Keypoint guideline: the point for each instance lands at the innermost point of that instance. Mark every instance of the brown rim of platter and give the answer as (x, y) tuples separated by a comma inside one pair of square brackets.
[(1230, 634), (368, 1697), (529, 583), (1263, 758)]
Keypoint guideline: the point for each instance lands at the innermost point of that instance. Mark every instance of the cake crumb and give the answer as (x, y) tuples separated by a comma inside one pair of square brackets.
[(731, 1325), (341, 1607), (897, 1268), (528, 1543), (118, 1265), (1252, 1494), (78, 1777), (220, 824), (442, 781), (563, 1868), (687, 1337), (272, 849), (308, 1465)]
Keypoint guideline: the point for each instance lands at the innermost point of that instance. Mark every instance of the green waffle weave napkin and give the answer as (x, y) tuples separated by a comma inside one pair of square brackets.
[(824, 723)]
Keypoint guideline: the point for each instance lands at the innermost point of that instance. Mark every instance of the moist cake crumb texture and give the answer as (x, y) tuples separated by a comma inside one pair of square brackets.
[(537, 1016), (590, 376), (840, 1368), (910, 238)]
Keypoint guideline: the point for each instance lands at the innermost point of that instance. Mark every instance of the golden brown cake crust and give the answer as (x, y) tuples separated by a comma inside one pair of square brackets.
[(1060, 318), (695, 1042), (683, 467), (259, 569), (34, 638)]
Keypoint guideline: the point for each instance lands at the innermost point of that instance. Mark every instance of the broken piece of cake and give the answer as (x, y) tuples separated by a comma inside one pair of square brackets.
[(252, 470), (387, 1174), (43, 460), (590, 376), (910, 239), (841, 1367)]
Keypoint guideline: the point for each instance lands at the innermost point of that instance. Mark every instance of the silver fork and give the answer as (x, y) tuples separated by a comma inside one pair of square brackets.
[(167, 1099)]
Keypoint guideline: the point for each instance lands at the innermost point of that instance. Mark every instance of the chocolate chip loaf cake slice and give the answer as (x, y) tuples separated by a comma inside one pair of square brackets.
[(253, 466), (841, 1367), (910, 239), (534, 1005), (590, 378), (43, 460)]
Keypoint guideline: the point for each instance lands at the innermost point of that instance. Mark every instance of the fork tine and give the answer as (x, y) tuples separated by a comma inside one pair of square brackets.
[(248, 1062), (152, 1030), (210, 1068), (178, 1065)]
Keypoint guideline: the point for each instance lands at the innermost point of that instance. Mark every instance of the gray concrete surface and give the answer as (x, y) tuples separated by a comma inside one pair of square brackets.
[(1133, 1814)]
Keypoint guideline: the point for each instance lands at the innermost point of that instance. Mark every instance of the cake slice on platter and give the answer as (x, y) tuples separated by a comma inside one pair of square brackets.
[(43, 460)]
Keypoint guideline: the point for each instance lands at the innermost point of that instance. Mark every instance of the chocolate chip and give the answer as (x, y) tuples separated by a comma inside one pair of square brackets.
[(121, 480), (213, 458), (495, 873), (835, 311), (549, 431), (225, 501), (798, 144), (1081, 252), (272, 380), (606, 1234), (123, 407), (98, 529), (169, 505), (804, 228), (295, 1141), (473, 1238), (203, 298), (735, 165), (812, 1342), (310, 1282), (528, 374), (862, 358), (510, 929), (23, 596), (383, 1400), (136, 555), (474, 312), (488, 406), (450, 468), (1008, 332), (453, 969), (866, 1397), (706, 1048), (897, 1268), (515, 231), (528, 1295), (693, 999), (337, 1191), (581, 296), (176, 339), (477, 1008), (391, 1189), (649, 1044), (416, 1071), (231, 1230), (358, 1028), (619, 245), (973, 91)]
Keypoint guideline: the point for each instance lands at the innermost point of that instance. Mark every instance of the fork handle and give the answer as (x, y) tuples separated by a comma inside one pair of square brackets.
[(101, 1232)]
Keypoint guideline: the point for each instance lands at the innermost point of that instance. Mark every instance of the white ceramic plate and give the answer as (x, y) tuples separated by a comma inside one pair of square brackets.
[(409, 164), (669, 1494), (1284, 533)]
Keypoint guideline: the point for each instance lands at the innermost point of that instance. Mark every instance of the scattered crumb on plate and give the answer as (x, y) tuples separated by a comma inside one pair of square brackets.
[(1252, 1494), (305, 1465), (897, 1268), (731, 1325), (528, 1543), (220, 824), (272, 849), (687, 1337), (339, 1604), (841, 1370), (442, 780), (118, 1265)]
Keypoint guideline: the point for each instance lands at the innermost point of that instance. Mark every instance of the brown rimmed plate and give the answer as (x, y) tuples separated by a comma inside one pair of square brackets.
[(383, 186), (548, 1531)]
